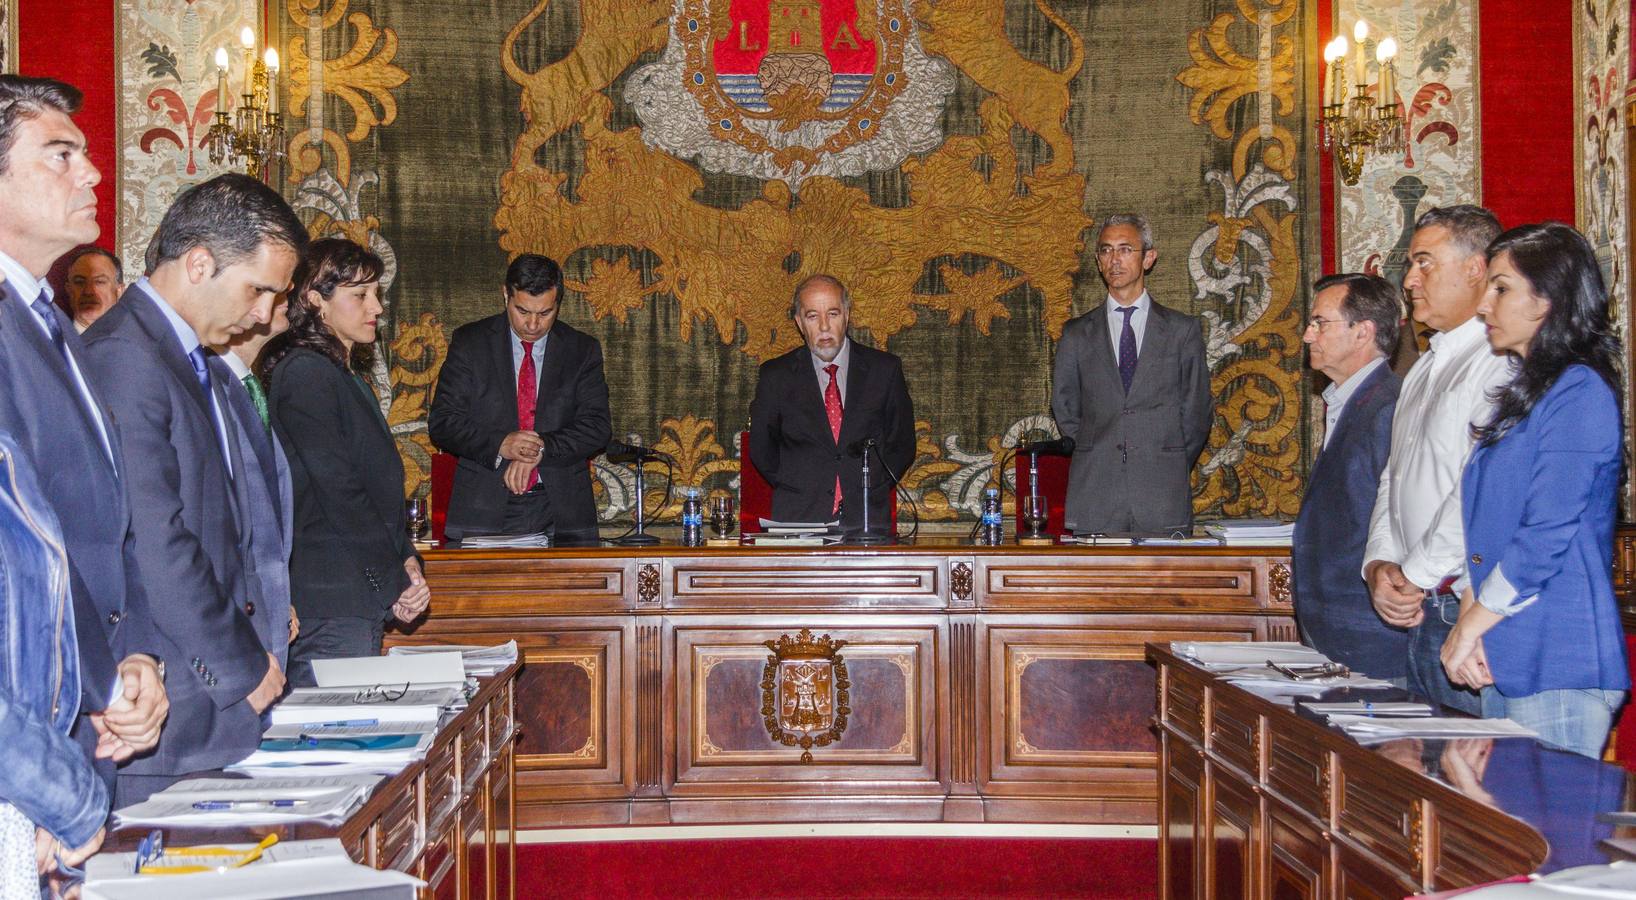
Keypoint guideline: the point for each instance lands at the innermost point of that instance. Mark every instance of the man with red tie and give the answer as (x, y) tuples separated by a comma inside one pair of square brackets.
[(522, 402), (817, 407)]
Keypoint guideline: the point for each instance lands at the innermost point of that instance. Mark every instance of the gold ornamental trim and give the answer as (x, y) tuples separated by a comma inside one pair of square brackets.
[(805, 692)]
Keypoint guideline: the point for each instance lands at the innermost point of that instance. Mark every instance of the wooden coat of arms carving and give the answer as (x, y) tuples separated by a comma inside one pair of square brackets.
[(805, 692)]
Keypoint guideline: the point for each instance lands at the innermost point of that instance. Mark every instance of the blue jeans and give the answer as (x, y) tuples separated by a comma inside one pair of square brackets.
[(1426, 675), (1576, 720)]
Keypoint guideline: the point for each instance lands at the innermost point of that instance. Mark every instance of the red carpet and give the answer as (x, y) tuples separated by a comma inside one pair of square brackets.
[(841, 867)]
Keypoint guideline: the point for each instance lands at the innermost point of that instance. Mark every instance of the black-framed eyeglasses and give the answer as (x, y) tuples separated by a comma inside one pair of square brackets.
[(150, 850), (379, 693)]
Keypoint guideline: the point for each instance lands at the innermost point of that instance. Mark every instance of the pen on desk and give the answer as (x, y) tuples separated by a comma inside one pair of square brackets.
[(214, 805)]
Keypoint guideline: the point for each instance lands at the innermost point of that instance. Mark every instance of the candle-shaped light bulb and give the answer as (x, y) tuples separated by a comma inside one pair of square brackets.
[(271, 59), (1360, 31), (1386, 50), (221, 79), (1387, 92), (1360, 62), (247, 38), (1333, 50)]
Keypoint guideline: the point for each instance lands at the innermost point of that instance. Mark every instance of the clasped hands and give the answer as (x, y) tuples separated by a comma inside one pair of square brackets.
[(416, 597), (1399, 601), (131, 723)]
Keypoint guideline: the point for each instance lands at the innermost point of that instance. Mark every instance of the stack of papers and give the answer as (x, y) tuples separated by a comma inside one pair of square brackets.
[(344, 704), (327, 875), (1179, 540), (1099, 540), (236, 802), (1253, 532), (1402, 709), (1371, 730), (505, 541), (1237, 654), (796, 534), (478, 661)]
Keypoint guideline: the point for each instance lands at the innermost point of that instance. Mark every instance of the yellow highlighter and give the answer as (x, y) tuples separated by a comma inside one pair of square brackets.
[(193, 860)]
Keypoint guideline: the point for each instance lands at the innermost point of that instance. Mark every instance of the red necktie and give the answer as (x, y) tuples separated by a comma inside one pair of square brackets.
[(832, 407), (527, 396)]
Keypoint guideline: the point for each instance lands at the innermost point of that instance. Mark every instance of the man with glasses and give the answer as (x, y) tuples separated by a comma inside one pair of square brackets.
[(1416, 552), (1131, 390), (1352, 332)]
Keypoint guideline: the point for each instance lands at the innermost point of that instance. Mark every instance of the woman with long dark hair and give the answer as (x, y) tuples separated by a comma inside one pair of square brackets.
[(1539, 632), (352, 565)]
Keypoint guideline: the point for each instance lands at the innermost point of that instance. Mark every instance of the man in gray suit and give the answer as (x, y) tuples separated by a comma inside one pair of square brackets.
[(51, 406), (223, 251), (266, 534), (1131, 390)]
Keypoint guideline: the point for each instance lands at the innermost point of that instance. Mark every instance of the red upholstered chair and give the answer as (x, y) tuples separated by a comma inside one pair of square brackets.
[(442, 487), (1624, 736), (1053, 487), (755, 495)]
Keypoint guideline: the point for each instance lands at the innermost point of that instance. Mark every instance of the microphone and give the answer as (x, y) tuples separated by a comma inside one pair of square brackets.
[(1058, 447), (621, 452), (861, 446)]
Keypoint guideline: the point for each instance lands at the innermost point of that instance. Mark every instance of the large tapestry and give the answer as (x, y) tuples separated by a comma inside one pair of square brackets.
[(1437, 88), (690, 160)]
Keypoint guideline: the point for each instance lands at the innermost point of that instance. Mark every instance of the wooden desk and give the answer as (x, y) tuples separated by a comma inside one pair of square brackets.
[(448, 819), (1002, 684), (1261, 801)]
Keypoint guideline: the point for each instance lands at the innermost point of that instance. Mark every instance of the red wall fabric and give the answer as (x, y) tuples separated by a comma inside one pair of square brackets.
[(73, 40), (1526, 59)]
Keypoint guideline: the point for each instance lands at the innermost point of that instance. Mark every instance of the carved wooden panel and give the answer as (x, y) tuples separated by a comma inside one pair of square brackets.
[(487, 588), (784, 583), (1236, 840), (722, 735), (1124, 583), (564, 727)]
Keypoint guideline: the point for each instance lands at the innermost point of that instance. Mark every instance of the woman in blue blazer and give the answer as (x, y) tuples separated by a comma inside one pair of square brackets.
[(1539, 631)]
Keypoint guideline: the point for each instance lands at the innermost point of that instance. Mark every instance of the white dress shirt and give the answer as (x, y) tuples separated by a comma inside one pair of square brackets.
[(189, 339), (1336, 395), (1416, 521), (842, 362), (1138, 323), (28, 288)]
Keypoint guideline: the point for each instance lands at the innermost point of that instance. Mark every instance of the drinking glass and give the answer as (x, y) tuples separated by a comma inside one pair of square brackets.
[(1034, 512), (723, 515), (415, 517)]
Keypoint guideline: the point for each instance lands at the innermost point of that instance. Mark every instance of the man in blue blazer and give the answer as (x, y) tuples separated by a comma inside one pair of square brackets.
[(223, 251), (1352, 332), (52, 407)]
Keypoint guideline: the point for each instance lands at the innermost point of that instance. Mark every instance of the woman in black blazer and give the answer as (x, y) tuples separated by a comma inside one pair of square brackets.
[(352, 565)]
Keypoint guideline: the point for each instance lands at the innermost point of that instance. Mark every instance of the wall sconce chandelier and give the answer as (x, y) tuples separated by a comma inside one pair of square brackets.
[(253, 134), (1354, 126)]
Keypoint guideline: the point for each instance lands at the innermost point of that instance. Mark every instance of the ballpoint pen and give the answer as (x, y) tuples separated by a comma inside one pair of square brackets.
[(346, 723), (214, 805)]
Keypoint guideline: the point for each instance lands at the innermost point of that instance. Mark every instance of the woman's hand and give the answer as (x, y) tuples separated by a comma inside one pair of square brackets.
[(1463, 656), (416, 597)]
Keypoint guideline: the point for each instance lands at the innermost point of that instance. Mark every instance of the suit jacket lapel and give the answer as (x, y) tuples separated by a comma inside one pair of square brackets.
[(857, 376), (810, 392), (507, 378), (1101, 345), (1349, 415), (1154, 337), (152, 321), (30, 332)]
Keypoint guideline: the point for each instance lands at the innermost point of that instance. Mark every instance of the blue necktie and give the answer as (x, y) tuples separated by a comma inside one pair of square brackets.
[(1127, 348), (201, 371), (48, 314)]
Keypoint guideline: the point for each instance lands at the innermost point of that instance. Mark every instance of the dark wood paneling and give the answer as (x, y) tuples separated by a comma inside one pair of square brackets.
[(563, 721)]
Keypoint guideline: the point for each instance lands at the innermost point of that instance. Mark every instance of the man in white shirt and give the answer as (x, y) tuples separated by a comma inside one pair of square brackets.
[(1415, 556)]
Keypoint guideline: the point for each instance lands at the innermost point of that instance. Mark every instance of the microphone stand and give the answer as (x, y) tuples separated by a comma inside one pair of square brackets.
[(639, 537), (867, 538)]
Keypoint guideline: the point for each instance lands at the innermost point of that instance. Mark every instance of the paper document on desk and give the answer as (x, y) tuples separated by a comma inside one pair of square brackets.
[(1226, 654), (437, 668), (478, 661), (215, 802), (505, 541), (791, 540), (1370, 730), (326, 876), (1401, 709), (417, 704)]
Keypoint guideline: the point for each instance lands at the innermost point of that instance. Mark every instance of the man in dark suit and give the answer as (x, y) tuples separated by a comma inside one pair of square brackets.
[(223, 251), (52, 407), (1131, 389), (815, 404), (266, 532), (523, 403), (1350, 336)]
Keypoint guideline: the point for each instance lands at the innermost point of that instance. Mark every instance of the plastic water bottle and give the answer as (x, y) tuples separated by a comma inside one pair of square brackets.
[(692, 519), (992, 533)]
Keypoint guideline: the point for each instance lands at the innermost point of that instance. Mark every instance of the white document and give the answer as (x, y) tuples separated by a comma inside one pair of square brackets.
[(776, 527), (354, 728), (321, 877), (443, 668), (1246, 653), (214, 802), (1370, 730), (310, 705), (505, 541), (109, 866), (478, 661), (1403, 709)]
